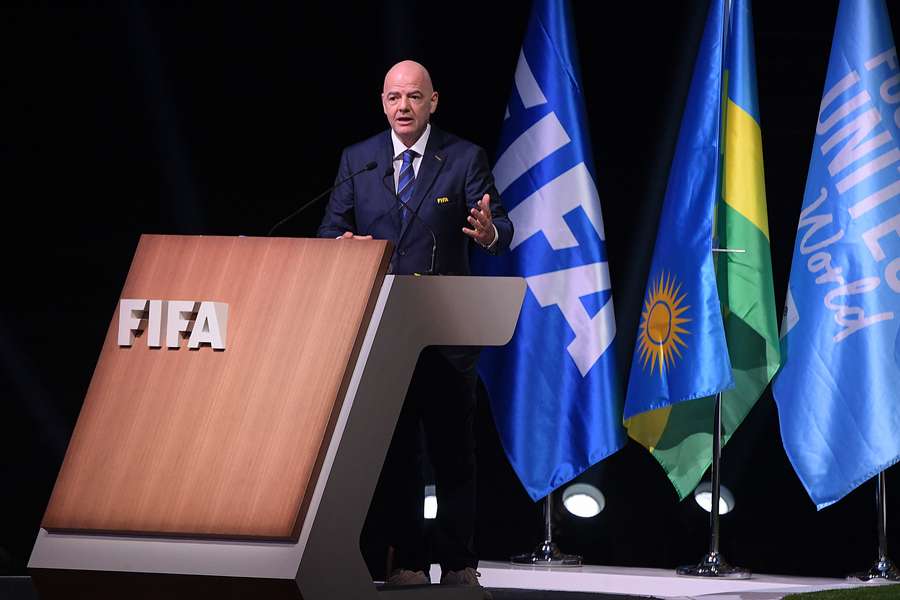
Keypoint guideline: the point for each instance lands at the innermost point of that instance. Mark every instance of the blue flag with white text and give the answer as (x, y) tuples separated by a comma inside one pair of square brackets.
[(837, 392), (681, 353), (555, 392)]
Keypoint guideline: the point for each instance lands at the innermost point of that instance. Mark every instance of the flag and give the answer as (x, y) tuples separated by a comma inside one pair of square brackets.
[(555, 392), (685, 354), (744, 278), (837, 392)]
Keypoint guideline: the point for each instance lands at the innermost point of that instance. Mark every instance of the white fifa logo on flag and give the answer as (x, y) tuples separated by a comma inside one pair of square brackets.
[(544, 211)]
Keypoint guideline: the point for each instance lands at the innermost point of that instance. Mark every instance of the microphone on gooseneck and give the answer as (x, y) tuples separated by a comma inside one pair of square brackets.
[(368, 167), (388, 173)]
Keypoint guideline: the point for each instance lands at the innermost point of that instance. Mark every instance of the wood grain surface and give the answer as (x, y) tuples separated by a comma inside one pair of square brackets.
[(221, 443)]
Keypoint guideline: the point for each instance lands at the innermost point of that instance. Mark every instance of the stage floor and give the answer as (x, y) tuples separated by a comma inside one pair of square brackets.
[(655, 583), (510, 582)]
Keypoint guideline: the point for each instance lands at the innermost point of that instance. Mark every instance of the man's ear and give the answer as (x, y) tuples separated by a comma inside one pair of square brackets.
[(434, 101)]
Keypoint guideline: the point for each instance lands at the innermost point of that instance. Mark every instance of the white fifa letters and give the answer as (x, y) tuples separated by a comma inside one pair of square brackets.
[(201, 322)]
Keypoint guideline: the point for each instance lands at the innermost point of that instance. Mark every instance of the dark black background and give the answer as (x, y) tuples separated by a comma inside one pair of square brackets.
[(124, 118)]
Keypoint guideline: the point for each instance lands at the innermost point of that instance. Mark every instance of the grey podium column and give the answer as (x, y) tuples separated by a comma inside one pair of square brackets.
[(419, 312)]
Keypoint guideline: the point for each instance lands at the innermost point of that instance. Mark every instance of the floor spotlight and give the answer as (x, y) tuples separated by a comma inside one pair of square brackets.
[(583, 500), (703, 496), (430, 502)]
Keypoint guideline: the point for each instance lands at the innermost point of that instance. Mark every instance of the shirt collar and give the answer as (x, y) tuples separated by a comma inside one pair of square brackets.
[(418, 147)]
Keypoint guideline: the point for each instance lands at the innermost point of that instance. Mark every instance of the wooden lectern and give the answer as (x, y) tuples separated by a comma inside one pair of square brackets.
[(249, 469)]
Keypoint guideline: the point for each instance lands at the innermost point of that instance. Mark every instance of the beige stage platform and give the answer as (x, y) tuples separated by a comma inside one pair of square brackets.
[(655, 583)]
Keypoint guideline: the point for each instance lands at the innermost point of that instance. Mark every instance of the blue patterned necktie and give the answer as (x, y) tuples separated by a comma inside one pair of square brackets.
[(406, 182)]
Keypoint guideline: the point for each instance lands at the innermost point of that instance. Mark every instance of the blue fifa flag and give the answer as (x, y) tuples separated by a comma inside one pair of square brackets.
[(555, 392), (681, 352), (837, 392)]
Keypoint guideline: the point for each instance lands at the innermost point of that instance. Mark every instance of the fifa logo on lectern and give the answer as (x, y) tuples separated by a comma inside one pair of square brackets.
[(201, 322)]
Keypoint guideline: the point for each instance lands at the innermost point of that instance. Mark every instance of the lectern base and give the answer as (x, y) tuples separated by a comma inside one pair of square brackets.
[(58, 584)]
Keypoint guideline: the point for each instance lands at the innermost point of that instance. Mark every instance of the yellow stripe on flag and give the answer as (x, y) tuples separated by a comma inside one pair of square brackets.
[(647, 428), (744, 182)]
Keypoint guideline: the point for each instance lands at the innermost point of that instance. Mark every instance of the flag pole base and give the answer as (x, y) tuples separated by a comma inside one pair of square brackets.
[(713, 565), (547, 555), (883, 570)]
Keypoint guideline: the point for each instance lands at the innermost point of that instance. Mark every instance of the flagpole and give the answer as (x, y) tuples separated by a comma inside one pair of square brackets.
[(883, 568), (547, 553), (713, 564), (716, 480)]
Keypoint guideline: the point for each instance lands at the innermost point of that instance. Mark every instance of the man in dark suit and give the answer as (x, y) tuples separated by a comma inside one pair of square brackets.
[(427, 181)]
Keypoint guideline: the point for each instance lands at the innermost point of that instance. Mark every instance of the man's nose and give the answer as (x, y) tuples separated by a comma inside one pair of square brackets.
[(404, 103)]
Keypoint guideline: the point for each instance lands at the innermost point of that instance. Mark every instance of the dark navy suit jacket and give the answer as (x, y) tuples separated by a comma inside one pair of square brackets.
[(453, 176)]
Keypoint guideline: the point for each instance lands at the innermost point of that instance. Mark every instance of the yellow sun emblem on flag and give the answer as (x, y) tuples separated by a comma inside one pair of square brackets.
[(661, 324)]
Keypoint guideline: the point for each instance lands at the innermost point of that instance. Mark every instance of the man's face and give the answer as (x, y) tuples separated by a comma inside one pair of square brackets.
[(408, 100)]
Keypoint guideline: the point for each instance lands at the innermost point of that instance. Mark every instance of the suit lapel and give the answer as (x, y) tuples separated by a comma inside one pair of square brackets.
[(431, 165)]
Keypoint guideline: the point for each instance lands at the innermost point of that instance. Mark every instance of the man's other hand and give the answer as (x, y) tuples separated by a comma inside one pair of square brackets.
[(482, 223), (349, 235)]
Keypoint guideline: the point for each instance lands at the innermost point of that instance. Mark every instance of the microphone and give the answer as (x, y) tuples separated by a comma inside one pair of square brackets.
[(389, 172), (369, 167)]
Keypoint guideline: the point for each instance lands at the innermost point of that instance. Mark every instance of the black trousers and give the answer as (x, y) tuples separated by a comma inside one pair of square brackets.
[(438, 417)]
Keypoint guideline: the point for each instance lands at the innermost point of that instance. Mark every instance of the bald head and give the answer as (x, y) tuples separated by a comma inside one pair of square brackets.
[(408, 71), (408, 99)]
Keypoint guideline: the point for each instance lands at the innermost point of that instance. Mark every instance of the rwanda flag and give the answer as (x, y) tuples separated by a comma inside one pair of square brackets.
[(680, 437), (681, 350), (555, 392), (837, 393)]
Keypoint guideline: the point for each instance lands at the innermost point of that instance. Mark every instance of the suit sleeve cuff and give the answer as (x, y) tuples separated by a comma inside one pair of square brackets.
[(490, 247)]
